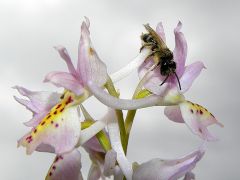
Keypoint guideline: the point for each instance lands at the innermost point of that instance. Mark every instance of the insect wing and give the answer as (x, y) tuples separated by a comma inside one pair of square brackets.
[(159, 40)]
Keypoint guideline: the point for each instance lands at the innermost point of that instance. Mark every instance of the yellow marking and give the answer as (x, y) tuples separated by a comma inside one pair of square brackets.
[(91, 51), (50, 119)]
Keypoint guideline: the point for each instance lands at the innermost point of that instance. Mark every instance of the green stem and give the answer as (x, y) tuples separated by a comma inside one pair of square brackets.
[(131, 113), (101, 136), (112, 91)]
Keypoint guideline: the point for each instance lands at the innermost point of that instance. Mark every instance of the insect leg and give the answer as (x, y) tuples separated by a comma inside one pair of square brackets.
[(178, 80), (146, 45), (164, 80)]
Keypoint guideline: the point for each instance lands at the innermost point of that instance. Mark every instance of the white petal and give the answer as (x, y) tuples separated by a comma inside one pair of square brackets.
[(66, 167)]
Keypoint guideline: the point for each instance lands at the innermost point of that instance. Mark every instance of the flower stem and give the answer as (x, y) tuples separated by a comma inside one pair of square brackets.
[(131, 114), (112, 91), (101, 136)]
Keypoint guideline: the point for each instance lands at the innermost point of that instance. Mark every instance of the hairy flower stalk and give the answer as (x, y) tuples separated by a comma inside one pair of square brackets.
[(57, 127)]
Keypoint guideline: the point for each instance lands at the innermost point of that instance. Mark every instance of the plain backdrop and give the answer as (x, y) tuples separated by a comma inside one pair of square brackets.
[(30, 28)]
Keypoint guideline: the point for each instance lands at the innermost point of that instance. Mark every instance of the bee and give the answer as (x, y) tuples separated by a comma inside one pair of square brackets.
[(161, 54)]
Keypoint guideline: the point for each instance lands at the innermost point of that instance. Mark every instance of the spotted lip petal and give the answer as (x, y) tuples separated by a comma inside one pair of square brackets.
[(60, 129), (196, 117), (66, 166), (168, 169), (40, 102)]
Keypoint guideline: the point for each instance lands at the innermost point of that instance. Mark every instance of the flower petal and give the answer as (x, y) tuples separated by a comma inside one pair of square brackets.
[(93, 145), (59, 129), (36, 119), (94, 172), (189, 176), (167, 169), (66, 166), (115, 140), (64, 54), (198, 119), (110, 163), (160, 31), (154, 78), (180, 51), (66, 80), (89, 64), (153, 100), (174, 114), (191, 72), (39, 100)]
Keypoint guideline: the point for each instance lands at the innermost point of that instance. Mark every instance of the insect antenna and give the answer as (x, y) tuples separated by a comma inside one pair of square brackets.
[(164, 80), (178, 80)]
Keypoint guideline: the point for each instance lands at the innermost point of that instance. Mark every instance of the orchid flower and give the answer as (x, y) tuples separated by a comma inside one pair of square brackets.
[(89, 66), (186, 74), (195, 116), (169, 169), (57, 127), (59, 131)]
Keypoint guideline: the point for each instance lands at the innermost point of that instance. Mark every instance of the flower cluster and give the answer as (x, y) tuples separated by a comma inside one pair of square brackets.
[(56, 126)]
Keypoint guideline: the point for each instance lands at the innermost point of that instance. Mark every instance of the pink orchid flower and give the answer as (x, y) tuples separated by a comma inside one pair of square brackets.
[(169, 169), (186, 74), (89, 66), (196, 117), (56, 125), (59, 131)]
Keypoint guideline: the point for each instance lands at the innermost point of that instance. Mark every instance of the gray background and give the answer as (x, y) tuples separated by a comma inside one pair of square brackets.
[(30, 28)]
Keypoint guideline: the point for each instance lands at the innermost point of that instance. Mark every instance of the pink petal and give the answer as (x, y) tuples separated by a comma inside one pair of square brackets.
[(167, 169), (154, 80), (93, 145), (198, 119), (59, 129), (28, 104), (180, 51), (66, 167), (189, 176), (174, 114), (110, 163), (39, 100), (160, 31), (94, 172), (64, 54), (191, 72), (36, 119), (66, 80), (89, 64)]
